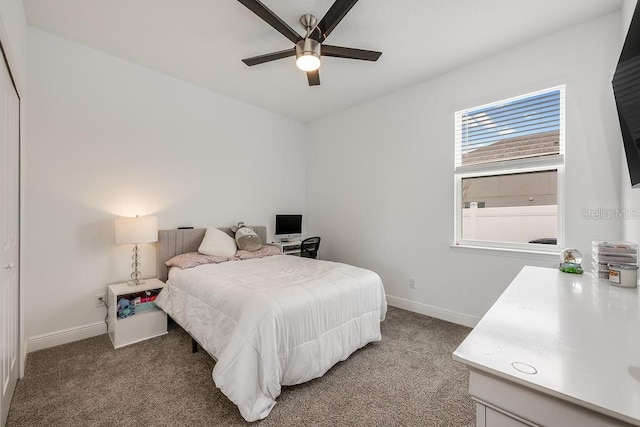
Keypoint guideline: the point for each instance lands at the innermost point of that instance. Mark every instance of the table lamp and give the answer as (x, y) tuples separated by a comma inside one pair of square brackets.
[(135, 231)]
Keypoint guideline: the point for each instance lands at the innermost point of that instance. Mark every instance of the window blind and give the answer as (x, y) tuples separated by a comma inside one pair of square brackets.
[(519, 128)]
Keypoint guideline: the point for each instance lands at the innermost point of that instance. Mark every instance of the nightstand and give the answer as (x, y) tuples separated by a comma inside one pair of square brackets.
[(143, 319)]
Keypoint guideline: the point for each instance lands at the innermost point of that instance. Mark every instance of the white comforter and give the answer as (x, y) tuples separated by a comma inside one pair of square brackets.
[(273, 321)]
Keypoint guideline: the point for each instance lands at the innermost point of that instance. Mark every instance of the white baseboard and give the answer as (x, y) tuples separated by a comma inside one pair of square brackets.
[(65, 336), (429, 310)]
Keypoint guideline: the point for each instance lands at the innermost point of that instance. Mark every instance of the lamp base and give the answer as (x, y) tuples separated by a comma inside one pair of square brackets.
[(135, 276)]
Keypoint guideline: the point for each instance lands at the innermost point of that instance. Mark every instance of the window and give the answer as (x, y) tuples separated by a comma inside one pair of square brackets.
[(509, 159)]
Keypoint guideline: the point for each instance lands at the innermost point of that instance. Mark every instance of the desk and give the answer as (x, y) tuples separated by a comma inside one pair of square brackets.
[(289, 248), (556, 349)]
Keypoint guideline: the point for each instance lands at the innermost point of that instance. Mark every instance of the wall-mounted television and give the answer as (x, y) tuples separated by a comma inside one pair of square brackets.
[(626, 90), (288, 227)]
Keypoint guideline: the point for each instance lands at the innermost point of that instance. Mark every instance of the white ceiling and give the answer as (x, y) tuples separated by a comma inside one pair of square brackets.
[(203, 41)]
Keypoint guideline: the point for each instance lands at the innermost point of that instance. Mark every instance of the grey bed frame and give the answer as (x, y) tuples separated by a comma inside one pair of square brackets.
[(180, 241)]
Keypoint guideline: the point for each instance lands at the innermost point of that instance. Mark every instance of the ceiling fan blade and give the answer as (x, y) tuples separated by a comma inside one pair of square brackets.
[(313, 77), (348, 52), (334, 15), (272, 19), (261, 59)]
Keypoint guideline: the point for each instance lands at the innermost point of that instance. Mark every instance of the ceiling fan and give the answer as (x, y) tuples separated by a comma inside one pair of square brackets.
[(310, 48)]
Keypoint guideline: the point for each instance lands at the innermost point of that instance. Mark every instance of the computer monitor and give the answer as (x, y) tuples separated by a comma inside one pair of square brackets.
[(288, 227)]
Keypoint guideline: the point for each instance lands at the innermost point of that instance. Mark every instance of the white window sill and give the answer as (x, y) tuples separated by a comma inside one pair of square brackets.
[(552, 255)]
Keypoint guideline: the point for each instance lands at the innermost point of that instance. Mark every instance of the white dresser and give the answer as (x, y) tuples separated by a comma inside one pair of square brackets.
[(556, 349)]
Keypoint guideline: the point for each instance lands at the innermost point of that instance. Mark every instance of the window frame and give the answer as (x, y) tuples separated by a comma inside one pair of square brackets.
[(517, 166)]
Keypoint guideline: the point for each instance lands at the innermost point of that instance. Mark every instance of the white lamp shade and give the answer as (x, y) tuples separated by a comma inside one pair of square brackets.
[(136, 230)]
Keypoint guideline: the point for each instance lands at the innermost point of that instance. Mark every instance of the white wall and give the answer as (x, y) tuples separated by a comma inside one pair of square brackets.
[(630, 196), (108, 138), (378, 172)]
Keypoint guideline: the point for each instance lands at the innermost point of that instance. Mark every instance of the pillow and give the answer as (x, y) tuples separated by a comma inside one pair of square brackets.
[(194, 259), (246, 238), (265, 250), (217, 243)]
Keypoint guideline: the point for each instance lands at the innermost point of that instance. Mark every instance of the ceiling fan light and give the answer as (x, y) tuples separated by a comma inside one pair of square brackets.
[(308, 62), (308, 54)]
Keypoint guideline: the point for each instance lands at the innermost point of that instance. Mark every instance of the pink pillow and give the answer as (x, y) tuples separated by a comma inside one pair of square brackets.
[(193, 259)]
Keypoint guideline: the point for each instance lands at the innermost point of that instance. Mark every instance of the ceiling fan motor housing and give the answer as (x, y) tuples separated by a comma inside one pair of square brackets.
[(308, 46)]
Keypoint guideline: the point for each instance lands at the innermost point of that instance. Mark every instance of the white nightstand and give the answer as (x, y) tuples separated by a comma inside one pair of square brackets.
[(148, 321)]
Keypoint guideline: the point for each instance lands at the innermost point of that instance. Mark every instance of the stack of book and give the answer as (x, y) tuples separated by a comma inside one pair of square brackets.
[(603, 253)]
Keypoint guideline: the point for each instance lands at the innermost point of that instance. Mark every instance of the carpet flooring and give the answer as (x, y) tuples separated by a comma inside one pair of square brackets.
[(407, 379)]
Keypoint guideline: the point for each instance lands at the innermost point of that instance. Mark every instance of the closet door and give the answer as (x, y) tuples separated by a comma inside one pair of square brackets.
[(9, 237)]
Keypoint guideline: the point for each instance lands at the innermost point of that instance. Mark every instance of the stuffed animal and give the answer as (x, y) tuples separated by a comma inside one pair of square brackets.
[(125, 308), (246, 238)]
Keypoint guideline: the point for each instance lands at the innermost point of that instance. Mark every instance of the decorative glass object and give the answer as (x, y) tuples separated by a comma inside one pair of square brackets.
[(570, 261)]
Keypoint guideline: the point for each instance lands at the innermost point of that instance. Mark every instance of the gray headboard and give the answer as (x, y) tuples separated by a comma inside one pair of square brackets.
[(176, 242)]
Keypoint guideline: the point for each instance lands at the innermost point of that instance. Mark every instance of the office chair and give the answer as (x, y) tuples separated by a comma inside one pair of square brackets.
[(309, 247)]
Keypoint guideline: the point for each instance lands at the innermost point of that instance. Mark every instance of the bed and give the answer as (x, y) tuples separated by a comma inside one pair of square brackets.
[(269, 322)]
